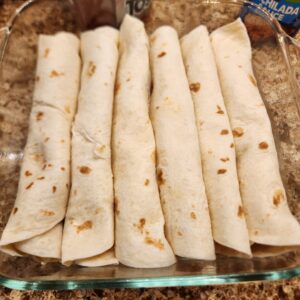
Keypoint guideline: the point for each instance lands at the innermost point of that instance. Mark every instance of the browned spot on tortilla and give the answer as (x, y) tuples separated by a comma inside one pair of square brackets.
[(160, 177), (232, 145), (68, 109), (62, 141), (29, 185), (54, 189), (156, 107), (98, 210), (210, 151), (84, 226), (219, 110), (140, 226), (46, 52), (256, 232), (195, 87), (224, 131), (117, 87), (67, 186), (44, 167), (240, 212), (252, 79), (75, 192), (46, 139), (116, 203), (55, 73), (37, 157), (222, 171), (147, 181), (28, 173), (91, 69), (37, 78), (153, 156), (50, 165), (63, 168), (238, 132), (41, 178), (152, 39), (161, 54), (101, 148), (15, 210), (277, 197), (239, 66), (224, 159), (128, 79), (48, 213), (156, 243), (179, 233), (39, 115), (263, 145), (193, 215), (84, 170)]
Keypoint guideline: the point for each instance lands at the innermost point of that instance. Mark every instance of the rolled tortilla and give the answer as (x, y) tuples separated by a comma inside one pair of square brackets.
[(179, 164), (140, 240), (45, 173), (89, 223), (215, 138), (268, 216)]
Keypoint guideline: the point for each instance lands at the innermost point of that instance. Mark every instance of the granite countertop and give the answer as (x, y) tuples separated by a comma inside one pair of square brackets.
[(286, 289)]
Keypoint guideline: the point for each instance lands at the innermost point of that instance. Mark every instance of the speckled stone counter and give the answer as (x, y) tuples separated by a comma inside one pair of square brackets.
[(288, 289)]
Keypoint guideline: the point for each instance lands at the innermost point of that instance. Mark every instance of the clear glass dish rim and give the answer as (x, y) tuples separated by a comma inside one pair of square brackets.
[(147, 282)]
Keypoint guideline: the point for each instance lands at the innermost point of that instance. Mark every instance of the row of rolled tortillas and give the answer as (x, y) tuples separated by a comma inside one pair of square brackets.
[(194, 162)]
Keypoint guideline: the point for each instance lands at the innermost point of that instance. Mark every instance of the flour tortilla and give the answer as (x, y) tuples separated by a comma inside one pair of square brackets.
[(140, 240), (215, 137), (44, 179), (268, 216), (89, 223), (179, 172)]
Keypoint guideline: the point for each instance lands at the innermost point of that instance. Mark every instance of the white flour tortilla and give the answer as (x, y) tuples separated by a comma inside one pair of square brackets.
[(140, 240), (179, 172), (89, 223), (215, 137), (45, 174), (268, 216)]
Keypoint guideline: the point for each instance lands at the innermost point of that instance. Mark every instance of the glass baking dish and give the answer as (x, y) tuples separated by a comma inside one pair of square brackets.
[(277, 68)]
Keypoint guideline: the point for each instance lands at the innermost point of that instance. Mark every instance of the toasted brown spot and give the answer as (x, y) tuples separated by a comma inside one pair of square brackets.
[(39, 115), (232, 145), (219, 110), (48, 213), (84, 170), (161, 54), (179, 233), (37, 78), (29, 186), (37, 157), (117, 87), (193, 215), (222, 171), (116, 203), (152, 39), (62, 141), (91, 69), (101, 148), (128, 79), (41, 178), (46, 52), (240, 66), (84, 226), (147, 181), (75, 192), (160, 177), (28, 173), (54, 189), (98, 210), (256, 232), (238, 132), (277, 197), (44, 167), (210, 151), (156, 243), (50, 165), (153, 156), (140, 225), (63, 168), (224, 132), (195, 87), (67, 186), (263, 145), (54, 73), (252, 79), (46, 139), (224, 159), (156, 107), (240, 212), (67, 109), (15, 210)]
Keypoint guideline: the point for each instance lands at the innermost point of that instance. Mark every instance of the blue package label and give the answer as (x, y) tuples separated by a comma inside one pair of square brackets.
[(286, 12)]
